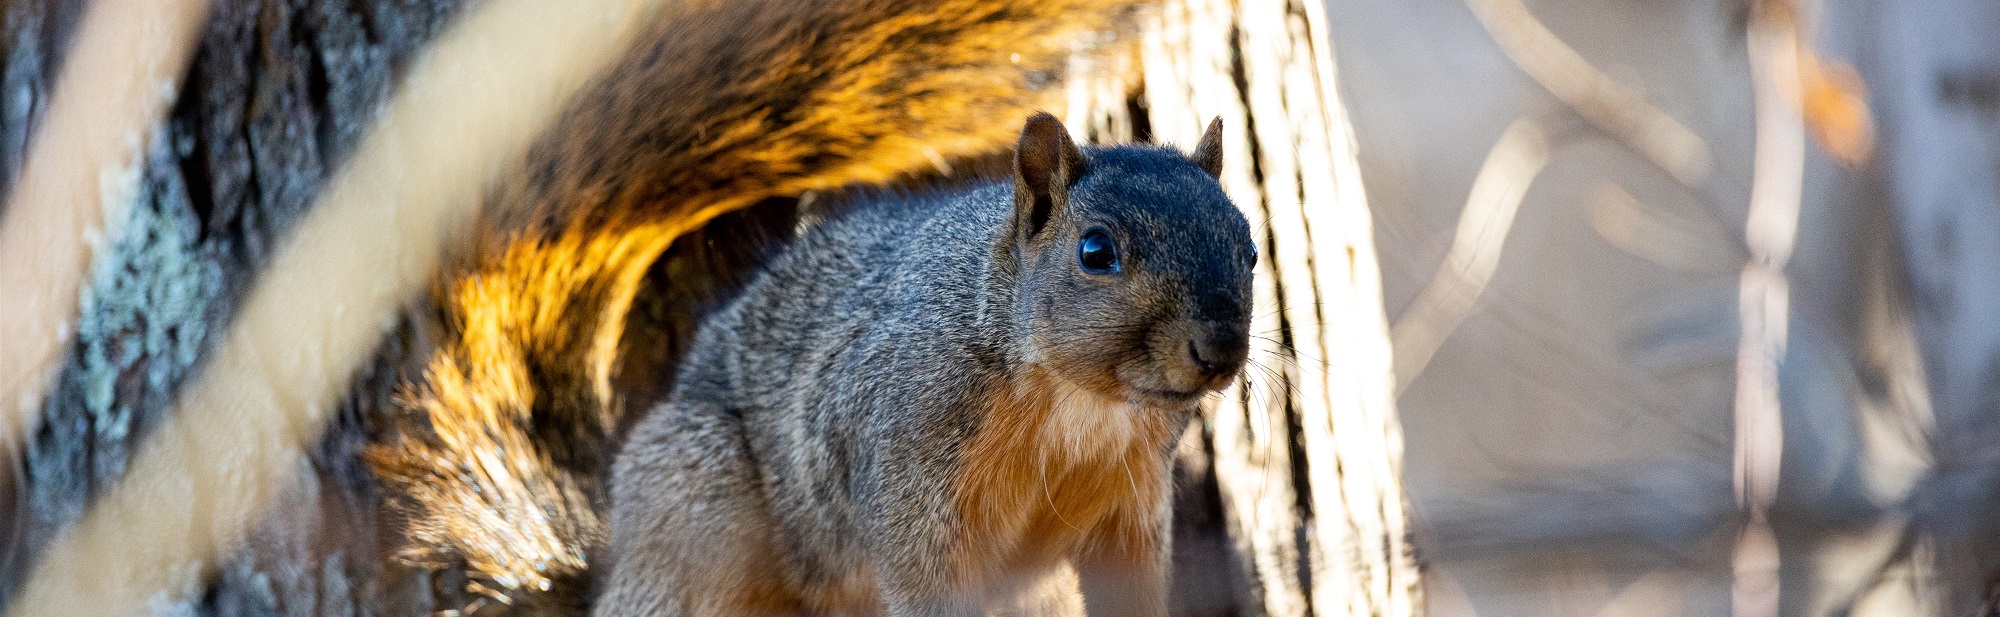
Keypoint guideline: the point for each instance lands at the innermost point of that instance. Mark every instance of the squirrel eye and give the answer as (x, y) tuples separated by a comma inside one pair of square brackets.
[(1096, 253)]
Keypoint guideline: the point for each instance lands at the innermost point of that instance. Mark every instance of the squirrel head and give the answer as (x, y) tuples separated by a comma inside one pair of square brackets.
[(1133, 266)]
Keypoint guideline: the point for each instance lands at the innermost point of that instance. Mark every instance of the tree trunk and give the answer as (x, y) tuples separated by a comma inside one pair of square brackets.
[(1306, 450)]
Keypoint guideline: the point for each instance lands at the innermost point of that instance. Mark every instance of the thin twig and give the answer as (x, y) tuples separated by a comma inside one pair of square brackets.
[(1612, 107), (1511, 166), (1777, 180)]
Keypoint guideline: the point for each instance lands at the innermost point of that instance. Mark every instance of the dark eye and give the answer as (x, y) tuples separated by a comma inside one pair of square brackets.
[(1096, 253)]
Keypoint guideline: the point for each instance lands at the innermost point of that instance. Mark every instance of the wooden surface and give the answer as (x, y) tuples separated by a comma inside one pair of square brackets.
[(277, 96), (1307, 449)]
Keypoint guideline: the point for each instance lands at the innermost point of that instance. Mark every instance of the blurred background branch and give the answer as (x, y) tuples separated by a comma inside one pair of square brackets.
[(1613, 107)]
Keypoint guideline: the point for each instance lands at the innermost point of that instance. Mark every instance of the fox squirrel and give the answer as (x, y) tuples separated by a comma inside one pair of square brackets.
[(500, 463), (932, 399)]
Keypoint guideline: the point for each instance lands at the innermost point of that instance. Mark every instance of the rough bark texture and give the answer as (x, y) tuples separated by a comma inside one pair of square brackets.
[(1306, 452), (32, 36), (277, 95)]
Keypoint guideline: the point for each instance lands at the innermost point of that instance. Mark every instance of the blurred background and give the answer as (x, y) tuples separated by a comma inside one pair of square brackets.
[(1570, 439)]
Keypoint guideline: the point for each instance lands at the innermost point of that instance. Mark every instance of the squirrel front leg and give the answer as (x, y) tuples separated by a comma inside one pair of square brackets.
[(691, 529), (912, 531), (932, 606), (1123, 571), (916, 574)]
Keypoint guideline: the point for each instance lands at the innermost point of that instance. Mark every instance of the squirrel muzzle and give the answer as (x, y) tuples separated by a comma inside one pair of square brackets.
[(1203, 353)]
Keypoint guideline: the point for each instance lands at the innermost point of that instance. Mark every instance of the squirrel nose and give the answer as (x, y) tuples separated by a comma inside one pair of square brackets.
[(1219, 352)]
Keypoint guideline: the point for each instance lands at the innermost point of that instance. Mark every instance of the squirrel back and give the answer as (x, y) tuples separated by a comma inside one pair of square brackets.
[(929, 401), (718, 105)]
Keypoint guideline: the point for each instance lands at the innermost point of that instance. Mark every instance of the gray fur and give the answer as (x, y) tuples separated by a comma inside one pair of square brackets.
[(815, 433)]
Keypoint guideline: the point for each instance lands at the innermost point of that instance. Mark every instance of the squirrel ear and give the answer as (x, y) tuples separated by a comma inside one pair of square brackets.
[(1046, 163), (1208, 153)]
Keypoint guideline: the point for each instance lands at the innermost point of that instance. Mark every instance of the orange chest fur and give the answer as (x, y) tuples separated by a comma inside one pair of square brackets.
[(1048, 475)]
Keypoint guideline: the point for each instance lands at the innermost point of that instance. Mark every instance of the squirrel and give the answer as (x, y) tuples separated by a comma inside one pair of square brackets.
[(930, 400), (497, 463)]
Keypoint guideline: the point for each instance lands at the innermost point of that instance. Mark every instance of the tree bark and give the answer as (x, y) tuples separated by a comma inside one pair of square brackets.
[(277, 96), (1307, 452)]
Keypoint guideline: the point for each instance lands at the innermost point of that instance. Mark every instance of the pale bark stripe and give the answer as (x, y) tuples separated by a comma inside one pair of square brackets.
[(78, 179), (466, 113), (1318, 284), (1189, 79)]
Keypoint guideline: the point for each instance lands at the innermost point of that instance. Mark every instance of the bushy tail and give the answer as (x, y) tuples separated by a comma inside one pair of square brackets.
[(721, 104)]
